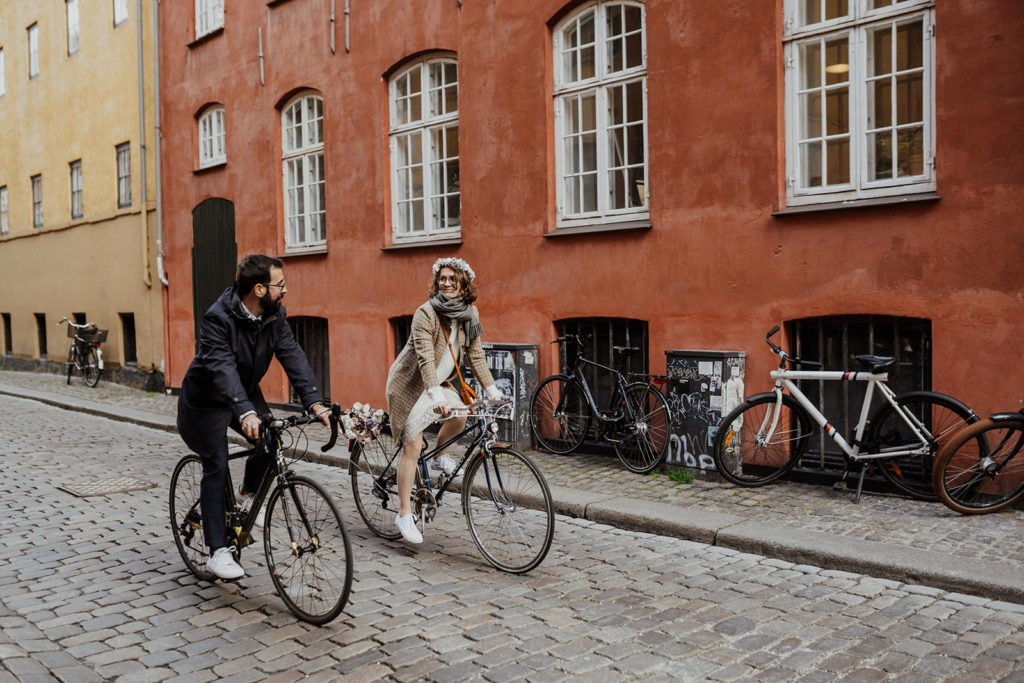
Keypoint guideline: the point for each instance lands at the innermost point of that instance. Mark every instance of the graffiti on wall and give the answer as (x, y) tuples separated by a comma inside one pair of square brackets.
[(700, 389)]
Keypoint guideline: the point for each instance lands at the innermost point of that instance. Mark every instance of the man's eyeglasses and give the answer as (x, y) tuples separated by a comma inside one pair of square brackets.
[(279, 284)]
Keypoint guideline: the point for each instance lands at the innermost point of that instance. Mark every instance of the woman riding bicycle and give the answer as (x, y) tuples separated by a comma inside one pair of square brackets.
[(421, 380)]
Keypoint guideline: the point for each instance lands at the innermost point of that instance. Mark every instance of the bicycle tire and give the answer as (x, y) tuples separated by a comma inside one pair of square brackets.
[(644, 441), (942, 415), (308, 552), (91, 367), (981, 469), (559, 415), (509, 510), (186, 517), (72, 355), (375, 483), (738, 455)]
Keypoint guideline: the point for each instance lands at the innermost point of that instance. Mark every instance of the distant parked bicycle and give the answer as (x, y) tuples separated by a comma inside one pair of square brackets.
[(505, 498), (308, 553), (85, 354), (763, 438), (635, 421), (981, 469)]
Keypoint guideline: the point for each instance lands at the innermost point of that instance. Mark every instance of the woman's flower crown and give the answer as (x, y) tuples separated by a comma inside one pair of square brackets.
[(452, 262)]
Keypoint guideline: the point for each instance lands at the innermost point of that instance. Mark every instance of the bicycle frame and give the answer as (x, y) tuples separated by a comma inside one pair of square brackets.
[(620, 383), (784, 379)]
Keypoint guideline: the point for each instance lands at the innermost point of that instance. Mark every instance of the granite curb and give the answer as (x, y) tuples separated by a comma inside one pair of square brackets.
[(989, 579)]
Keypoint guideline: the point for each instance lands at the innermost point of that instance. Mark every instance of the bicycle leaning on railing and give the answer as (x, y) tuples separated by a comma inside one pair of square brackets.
[(764, 437), (981, 469), (307, 548), (505, 498), (635, 421), (85, 354)]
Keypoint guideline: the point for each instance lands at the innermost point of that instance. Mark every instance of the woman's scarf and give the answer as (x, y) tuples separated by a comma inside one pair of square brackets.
[(458, 309)]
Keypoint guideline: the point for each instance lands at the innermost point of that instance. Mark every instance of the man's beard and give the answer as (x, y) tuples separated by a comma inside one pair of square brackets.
[(269, 306)]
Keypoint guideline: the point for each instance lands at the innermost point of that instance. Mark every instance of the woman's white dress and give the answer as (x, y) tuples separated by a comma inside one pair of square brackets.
[(422, 414)]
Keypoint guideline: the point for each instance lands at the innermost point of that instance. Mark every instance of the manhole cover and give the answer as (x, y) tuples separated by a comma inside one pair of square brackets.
[(104, 487)]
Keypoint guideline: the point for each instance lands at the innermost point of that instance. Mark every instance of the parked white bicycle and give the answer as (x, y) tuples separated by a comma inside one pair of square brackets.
[(764, 437)]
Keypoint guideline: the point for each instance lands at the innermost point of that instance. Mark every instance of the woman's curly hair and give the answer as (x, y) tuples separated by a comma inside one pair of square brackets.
[(469, 292)]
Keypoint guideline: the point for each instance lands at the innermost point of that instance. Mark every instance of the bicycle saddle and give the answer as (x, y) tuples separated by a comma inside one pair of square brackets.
[(625, 350), (876, 363)]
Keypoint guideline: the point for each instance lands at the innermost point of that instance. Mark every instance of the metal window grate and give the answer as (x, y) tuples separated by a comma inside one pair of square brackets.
[(311, 334)]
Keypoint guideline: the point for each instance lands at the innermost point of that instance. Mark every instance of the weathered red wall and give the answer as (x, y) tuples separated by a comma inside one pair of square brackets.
[(715, 271)]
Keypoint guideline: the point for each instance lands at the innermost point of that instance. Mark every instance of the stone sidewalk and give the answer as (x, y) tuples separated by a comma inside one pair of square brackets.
[(884, 535)]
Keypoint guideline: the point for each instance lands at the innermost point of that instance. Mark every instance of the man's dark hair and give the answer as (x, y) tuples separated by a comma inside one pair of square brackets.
[(253, 270)]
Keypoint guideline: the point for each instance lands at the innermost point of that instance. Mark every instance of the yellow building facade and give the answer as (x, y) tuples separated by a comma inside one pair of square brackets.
[(78, 220)]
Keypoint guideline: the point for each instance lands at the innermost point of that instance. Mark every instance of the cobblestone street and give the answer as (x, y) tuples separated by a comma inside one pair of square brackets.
[(93, 589)]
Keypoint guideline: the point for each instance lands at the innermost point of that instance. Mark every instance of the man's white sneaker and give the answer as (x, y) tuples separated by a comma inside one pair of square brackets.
[(407, 525), (245, 501), (222, 564), (447, 464)]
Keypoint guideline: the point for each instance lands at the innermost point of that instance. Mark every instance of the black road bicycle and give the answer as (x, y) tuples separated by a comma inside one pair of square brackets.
[(635, 421), (505, 497), (85, 354), (308, 553), (981, 469)]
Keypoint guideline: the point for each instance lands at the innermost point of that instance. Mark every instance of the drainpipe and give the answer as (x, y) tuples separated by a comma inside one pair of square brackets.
[(156, 139), (147, 278)]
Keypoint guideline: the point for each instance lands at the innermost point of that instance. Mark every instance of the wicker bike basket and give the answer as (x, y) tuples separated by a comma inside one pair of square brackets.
[(90, 334)]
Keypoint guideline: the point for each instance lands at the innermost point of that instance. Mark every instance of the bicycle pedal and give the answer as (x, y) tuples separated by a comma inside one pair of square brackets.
[(840, 485)]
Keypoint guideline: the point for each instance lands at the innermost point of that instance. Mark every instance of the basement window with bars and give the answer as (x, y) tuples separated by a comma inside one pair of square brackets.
[(128, 344), (836, 341), (311, 334)]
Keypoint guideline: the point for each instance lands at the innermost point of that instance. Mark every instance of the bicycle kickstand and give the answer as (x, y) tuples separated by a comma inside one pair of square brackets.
[(860, 482)]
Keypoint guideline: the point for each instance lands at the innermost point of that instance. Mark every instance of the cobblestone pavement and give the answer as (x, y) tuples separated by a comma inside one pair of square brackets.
[(92, 589), (891, 519)]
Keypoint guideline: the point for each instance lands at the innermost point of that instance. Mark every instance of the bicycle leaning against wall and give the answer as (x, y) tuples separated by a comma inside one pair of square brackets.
[(765, 436), (85, 354), (635, 421)]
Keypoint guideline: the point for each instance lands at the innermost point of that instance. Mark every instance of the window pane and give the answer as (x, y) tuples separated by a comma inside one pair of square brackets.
[(616, 107), (810, 118), (572, 155), (881, 51), (835, 9), (909, 46), (572, 192), (587, 62), (634, 50), (811, 11), (838, 155), (909, 150), (635, 145), (451, 136), (880, 148), (588, 112), (618, 189), (810, 64), (837, 105), (589, 152), (909, 98), (881, 93), (454, 212), (635, 101), (837, 61), (810, 164), (590, 192)]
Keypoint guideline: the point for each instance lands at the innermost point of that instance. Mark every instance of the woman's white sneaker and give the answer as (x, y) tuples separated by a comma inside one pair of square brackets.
[(407, 526), (222, 564)]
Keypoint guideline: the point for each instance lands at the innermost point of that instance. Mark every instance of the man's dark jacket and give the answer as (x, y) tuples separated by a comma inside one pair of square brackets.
[(234, 354)]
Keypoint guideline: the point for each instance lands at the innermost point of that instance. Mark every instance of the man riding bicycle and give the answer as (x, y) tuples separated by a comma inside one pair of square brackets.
[(239, 336)]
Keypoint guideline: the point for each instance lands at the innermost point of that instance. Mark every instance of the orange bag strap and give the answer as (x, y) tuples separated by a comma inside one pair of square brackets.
[(465, 387)]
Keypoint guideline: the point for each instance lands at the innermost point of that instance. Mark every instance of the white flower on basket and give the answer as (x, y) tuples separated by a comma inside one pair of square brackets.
[(361, 422)]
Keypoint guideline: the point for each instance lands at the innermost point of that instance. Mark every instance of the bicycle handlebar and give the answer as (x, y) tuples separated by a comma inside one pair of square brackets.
[(785, 357), (271, 422), (571, 337)]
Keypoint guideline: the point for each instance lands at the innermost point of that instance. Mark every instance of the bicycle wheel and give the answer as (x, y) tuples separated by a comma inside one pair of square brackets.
[(942, 416), (644, 441), (91, 367), (981, 468), (371, 465), (308, 552), (71, 362), (743, 454), (559, 414), (509, 510), (186, 518)]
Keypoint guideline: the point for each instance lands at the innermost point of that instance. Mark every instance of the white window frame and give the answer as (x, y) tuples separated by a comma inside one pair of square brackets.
[(120, 12), (77, 205), (209, 16), (71, 13), (123, 155), (302, 174), (5, 226), (212, 138), (420, 151), (37, 200), (33, 51), (856, 25), (569, 92)]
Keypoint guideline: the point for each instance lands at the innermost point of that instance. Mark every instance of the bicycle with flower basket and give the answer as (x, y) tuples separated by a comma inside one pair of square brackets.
[(505, 498)]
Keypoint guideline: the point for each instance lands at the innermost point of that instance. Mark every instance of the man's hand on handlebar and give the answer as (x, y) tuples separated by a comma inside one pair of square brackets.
[(322, 413), (251, 426)]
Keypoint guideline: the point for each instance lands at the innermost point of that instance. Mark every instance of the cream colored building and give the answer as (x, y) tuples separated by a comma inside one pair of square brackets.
[(78, 183)]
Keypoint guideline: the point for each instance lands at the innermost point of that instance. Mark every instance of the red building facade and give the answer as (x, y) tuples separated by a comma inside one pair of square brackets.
[(687, 173)]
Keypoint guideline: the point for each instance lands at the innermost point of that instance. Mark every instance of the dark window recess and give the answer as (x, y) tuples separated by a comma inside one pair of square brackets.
[(41, 332), (128, 339), (8, 342), (599, 336), (79, 318), (402, 326), (311, 334), (836, 341)]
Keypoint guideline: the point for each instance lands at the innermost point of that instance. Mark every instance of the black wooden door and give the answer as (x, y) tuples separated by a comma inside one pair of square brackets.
[(214, 255)]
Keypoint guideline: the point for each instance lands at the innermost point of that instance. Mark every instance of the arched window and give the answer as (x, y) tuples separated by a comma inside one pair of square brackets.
[(600, 61), (424, 136), (302, 161), (212, 147)]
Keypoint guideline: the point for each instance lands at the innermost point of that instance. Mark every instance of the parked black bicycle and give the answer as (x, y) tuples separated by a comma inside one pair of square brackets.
[(635, 420), (308, 553), (85, 354)]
